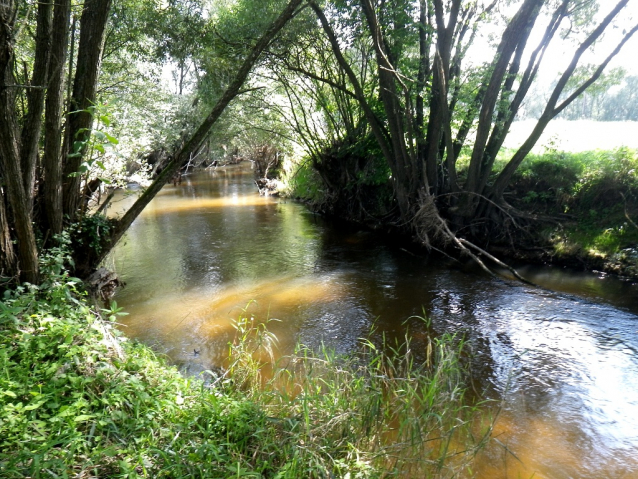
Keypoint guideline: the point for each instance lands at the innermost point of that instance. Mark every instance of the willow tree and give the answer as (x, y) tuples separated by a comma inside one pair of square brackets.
[(41, 188), (428, 105), (24, 93)]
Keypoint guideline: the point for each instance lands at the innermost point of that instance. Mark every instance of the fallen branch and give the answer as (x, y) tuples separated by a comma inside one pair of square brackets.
[(497, 261)]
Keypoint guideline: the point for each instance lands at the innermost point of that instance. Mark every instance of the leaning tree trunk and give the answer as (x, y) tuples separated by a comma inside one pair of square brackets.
[(195, 141)]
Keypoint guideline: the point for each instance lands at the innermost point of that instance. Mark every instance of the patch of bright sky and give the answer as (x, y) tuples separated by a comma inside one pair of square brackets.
[(560, 52)]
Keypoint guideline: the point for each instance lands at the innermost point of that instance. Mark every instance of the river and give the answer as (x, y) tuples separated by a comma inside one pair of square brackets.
[(564, 357)]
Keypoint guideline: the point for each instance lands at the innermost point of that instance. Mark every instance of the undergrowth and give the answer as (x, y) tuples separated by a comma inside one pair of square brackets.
[(77, 400), (595, 194)]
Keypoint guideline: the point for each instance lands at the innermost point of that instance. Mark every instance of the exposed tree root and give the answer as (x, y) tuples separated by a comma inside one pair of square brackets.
[(496, 260), (431, 226)]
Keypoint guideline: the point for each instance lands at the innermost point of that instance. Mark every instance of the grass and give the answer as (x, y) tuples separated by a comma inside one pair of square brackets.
[(377, 413), (78, 401), (595, 192)]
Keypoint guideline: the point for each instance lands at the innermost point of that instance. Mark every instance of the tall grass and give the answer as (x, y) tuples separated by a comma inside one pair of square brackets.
[(78, 401), (375, 413), (595, 193)]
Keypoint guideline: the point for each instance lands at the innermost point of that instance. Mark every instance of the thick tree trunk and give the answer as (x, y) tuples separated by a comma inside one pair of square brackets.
[(92, 28), (10, 152)]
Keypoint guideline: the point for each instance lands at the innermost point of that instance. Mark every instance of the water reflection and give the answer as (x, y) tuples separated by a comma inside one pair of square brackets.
[(566, 366)]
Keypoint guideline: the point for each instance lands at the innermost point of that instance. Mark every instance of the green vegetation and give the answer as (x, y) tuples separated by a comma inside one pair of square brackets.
[(77, 400), (593, 194)]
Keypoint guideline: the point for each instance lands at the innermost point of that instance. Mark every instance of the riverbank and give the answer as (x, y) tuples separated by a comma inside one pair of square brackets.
[(584, 208), (578, 210), (79, 399)]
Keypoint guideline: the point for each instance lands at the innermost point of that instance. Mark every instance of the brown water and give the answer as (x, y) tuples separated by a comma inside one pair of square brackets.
[(565, 358)]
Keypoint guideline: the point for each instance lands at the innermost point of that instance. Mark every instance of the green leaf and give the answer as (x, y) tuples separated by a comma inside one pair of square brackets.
[(83, 417), (31, 407), (100, 148), (112, 139), (105, 119), (100, 164)]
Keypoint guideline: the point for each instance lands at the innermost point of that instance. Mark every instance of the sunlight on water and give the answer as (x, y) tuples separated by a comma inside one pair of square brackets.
[(564, 361), (179, 205), (540, 446), (200, 323)]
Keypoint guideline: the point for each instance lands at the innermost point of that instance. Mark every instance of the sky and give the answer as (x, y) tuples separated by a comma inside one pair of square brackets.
[(559, 53)]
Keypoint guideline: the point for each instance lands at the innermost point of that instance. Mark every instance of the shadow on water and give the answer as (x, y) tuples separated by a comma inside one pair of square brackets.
[(563, 359)]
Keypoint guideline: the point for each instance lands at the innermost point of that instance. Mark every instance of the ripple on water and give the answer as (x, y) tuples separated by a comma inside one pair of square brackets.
[(566, 367)]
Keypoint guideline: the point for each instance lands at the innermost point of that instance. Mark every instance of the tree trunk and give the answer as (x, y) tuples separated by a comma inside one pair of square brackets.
[(35, 100), (92, 28), (401, 163), (516, 34), (52, 161), (10, 152), (7, 254)]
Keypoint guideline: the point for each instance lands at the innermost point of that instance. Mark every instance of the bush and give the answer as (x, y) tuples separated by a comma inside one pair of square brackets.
[(597, 190)]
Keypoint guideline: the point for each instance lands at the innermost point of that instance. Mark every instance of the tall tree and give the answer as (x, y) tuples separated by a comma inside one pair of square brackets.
[(29, 172), (429, 104)]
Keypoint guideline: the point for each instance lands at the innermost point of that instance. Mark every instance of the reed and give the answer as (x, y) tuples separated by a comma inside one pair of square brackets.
[(374, 413)]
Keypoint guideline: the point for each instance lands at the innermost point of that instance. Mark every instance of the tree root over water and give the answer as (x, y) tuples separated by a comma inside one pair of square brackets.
[(431, 226)]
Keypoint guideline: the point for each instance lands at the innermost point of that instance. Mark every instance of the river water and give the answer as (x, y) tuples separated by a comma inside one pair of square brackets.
[(564, 357)]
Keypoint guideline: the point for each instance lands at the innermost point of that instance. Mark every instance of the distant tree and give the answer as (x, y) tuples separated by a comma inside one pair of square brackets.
[(591, 104), (622, 105)]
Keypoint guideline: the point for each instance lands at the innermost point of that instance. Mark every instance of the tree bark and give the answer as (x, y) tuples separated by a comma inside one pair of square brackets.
[(10, 151), (92, 28), (8, 260), (52, 161)]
